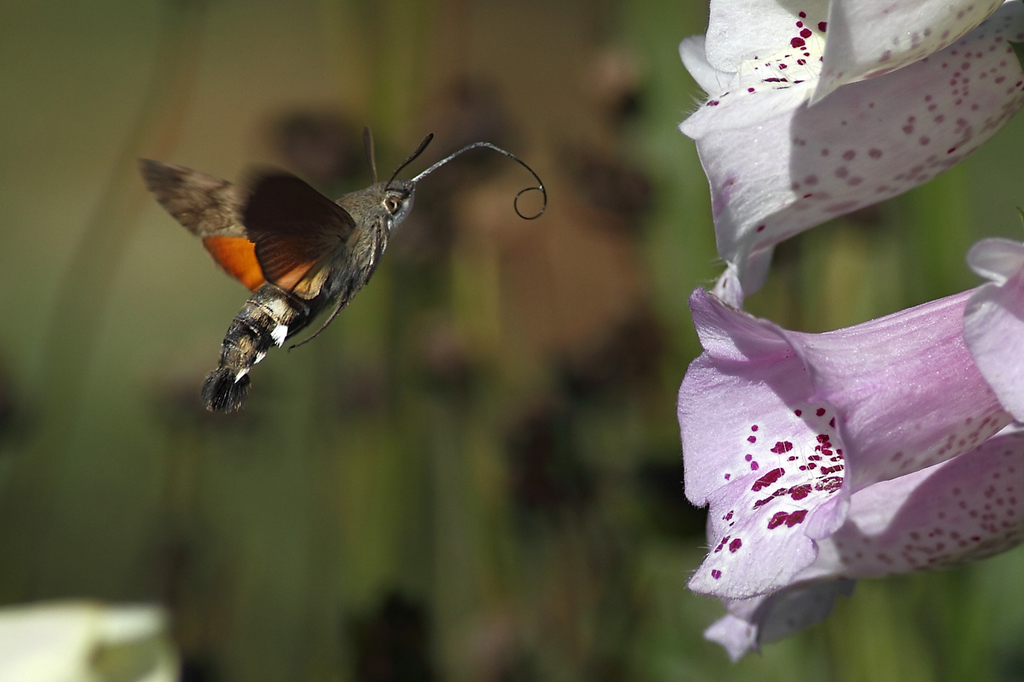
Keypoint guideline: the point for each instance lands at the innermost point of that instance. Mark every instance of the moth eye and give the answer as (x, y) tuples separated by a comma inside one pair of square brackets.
[(392, 205)]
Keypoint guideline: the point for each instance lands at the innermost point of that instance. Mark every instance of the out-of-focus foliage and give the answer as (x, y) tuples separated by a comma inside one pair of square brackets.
[(475, 473)]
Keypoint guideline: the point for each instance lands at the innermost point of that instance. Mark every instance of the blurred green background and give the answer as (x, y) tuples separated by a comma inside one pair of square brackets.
[(475, 473)]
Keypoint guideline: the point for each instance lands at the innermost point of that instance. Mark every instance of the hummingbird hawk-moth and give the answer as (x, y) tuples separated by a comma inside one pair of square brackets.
[(297, 251)]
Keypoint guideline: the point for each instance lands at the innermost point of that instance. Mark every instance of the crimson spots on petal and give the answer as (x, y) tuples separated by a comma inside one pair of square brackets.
[(786, 518), (716, 574), (797, 42), (735, 545), (799, 492), (782, 447), (769, 478), (796, 517)]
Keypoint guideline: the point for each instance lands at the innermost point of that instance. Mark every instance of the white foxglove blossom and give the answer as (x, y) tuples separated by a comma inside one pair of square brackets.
[(778, 165), (85, 642), (838, 41)]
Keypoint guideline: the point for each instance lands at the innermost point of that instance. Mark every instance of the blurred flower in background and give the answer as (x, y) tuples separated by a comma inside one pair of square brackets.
[(85, 642)]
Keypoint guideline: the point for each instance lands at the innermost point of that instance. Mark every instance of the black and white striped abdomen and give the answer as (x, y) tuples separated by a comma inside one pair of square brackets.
[(267, 319)]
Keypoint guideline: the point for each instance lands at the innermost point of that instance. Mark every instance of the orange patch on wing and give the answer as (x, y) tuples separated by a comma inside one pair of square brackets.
[(237, 257)]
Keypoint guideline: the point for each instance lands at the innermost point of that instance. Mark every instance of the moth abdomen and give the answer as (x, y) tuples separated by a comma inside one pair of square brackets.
[(267, 319), (224, 391)]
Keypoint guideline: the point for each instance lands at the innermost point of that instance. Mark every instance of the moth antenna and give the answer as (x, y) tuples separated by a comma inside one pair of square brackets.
[(370, 156), (412, 157), (515, 202), (334, 313)]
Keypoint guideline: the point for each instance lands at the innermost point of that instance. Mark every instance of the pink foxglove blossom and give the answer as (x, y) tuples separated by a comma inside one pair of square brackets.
[(778, 165), (780, 428), (861, 452)]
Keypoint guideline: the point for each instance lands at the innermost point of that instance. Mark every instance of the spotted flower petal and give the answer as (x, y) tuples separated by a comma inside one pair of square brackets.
[(779, 428), (874, 37), (867, 37), (962, 510), (994, 320), (965, 509), (777, 166)]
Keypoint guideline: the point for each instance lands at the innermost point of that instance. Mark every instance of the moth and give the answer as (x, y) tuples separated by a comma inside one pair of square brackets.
[(298, 252)]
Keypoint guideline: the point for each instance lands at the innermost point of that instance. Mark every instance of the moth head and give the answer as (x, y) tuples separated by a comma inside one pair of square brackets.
[(396, 201)]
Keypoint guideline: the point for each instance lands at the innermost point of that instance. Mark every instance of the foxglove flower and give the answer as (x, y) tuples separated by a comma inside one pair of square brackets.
[(778, 166), (859, 452), (780, 428), (962, 510)]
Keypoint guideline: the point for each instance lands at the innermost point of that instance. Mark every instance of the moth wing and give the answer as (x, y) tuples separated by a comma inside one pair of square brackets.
[(206, 205), (211, 209), (297, 232)]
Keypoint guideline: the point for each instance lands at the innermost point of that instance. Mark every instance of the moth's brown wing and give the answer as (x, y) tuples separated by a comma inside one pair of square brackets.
[(210, 208), (207, 206), (297, 232)]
